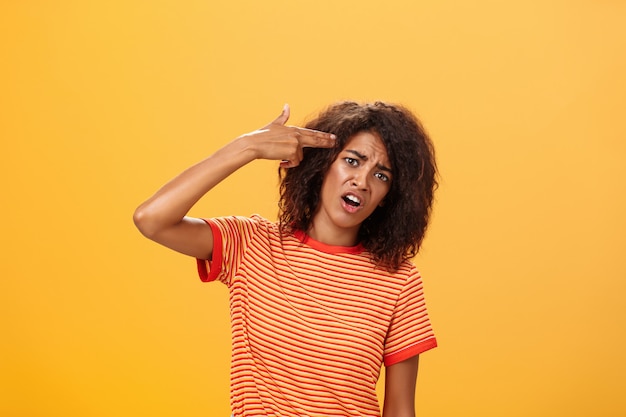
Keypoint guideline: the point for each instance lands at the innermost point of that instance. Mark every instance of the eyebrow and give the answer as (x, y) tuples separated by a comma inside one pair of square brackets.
[(365, 158)]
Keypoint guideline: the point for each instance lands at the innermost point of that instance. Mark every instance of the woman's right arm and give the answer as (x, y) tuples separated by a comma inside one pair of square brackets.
[(163, 217)]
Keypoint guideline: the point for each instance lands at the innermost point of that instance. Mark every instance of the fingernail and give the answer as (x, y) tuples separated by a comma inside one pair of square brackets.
[(333, 136)]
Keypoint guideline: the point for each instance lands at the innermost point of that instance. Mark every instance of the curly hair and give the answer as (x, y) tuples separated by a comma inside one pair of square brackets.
[(394, 232)]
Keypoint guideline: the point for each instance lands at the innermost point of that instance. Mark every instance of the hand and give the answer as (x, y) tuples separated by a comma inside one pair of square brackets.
[(277, 141)]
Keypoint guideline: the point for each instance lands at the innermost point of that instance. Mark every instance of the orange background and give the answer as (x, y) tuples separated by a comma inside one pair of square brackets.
[(102, 102)]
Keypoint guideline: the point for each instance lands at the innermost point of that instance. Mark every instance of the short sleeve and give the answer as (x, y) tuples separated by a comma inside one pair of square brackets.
[(410, 332), (231, 236)]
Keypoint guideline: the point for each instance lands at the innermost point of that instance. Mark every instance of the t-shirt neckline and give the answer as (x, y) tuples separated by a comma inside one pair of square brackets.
[(323, 247)]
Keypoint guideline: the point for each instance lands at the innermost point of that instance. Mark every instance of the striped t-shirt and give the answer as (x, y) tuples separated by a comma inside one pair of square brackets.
[(311, 323)]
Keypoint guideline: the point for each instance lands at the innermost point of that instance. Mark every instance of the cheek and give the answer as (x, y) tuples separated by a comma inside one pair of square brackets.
[(336, 175), (383, 190), (329, 184)]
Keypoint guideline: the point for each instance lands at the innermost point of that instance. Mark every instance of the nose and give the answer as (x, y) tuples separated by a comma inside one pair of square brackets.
[(359, 179)]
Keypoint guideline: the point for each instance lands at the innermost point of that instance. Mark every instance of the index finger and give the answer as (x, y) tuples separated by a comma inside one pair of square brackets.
[(310, 138)]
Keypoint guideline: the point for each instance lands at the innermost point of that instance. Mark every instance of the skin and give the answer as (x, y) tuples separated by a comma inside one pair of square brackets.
[(362, 170), (162, 217), (400, 381)]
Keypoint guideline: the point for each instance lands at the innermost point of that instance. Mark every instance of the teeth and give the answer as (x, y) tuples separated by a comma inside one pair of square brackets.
[(353, 199)]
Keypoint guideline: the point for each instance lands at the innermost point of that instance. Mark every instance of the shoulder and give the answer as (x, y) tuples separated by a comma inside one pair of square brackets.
[(408, 269), (253, 222), (397, 281), (241, 229), (262, 221)]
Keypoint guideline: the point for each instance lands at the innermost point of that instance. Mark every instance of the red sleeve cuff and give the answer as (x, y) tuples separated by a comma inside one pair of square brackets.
[(209, 269), (410, 351)]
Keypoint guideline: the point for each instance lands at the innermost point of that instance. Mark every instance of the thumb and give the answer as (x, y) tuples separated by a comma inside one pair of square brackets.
[(284, 116)]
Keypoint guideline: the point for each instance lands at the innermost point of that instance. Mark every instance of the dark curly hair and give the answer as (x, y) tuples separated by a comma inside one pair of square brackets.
[(394, 232)]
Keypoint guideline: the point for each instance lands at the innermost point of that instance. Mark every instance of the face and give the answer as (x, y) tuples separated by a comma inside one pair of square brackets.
[(354, 186)]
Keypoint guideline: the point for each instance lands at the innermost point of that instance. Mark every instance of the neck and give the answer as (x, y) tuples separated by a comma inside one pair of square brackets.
[(334, 237)]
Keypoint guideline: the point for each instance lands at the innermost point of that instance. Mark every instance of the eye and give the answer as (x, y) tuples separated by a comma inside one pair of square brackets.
[(381, 176), (351, 161)]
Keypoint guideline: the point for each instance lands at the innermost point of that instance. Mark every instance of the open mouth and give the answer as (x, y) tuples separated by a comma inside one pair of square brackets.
[(352, 200)]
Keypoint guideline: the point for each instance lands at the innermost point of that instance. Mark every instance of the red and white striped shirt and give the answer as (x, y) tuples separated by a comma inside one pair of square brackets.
[(311, 323)]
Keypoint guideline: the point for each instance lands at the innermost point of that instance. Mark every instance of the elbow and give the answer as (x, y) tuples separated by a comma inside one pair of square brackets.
[(145, 222)]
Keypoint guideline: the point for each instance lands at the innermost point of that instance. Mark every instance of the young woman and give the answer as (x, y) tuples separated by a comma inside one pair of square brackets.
[(322, 298)]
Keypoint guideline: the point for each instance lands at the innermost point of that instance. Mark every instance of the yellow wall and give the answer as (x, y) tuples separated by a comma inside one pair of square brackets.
[(102, 102)]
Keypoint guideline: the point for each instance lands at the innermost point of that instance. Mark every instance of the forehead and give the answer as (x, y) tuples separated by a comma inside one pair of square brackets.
[(368, 144)]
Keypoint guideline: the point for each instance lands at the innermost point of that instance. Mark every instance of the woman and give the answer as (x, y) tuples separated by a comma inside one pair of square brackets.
[(322, 298)]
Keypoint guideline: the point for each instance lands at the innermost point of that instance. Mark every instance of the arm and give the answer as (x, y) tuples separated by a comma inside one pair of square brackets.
[(400, 379), (162, 217)]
